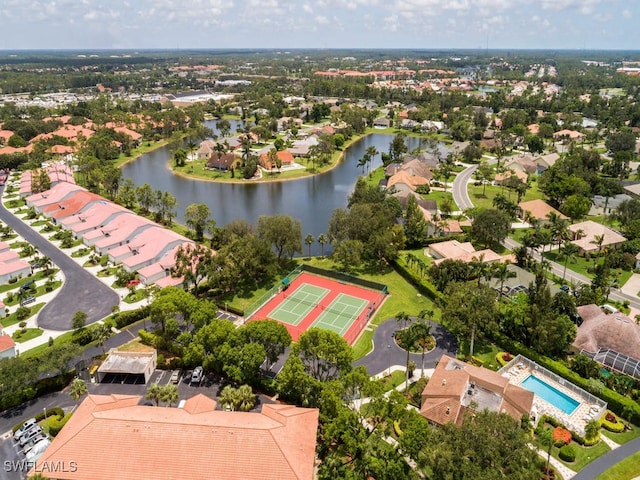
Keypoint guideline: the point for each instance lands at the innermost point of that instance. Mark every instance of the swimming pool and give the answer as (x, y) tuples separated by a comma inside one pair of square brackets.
[(550, 394)]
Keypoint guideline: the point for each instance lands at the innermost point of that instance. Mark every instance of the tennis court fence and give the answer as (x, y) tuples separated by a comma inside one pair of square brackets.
[(346, 278), (269, 294)]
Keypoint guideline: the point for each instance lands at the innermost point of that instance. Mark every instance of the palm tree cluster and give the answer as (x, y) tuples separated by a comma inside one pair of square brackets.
[(162, 393), (241, 398)]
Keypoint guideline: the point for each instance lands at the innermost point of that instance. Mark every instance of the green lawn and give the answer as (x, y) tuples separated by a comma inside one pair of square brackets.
[(486, 200), (582, 264), (12, 319), (439, 196), (10, 286), (34, 352), (584, 455), (39, 291), (623, 437), (30, 333), (145, 147), (519, 234), (627, 469), (390, 382), (483, 350)]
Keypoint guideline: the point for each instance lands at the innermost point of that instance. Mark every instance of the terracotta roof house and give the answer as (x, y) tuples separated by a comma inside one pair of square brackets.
[(611, 331), (455, 250), (300, 148), (221, 161), (524, 163), (71, 205), (11, 266), (456, 387), (5, 135), (146, 248), (54, 195), (416, 167), (57, 173), (405, 178), (7, 344), (122, 230), (570, 134), (196, 441), (538, 209), (501, 177), (285, 157), (438, 226), (585, 234), (90, 218), (161, 269), (206, 149)]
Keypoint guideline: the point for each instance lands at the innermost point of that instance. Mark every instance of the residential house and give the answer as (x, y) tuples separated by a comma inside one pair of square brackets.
[(301, 147), (71, 205), (12, 266), (465, 252), (568, 135), (285, 156), (122, 230), (525, 163), (7, 344), (205, 149), (633, 190), (92, 217), (602, 331), (146, 248), (405, 178), (537, 209), (587, 236), (501, 177), (438, 226), (456, 388), (381, 122), (278, 443), (638, 260), (544, 162), (221, 161)]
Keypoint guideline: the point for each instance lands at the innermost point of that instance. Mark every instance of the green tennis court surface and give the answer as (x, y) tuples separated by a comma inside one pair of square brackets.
[(298, 304), (340, 314)]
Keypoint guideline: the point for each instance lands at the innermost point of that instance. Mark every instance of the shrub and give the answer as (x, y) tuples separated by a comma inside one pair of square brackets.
[(40, 416), (147, 338), (56, 425), (396, 427), (131, 316), (567, 453), (13, 280), (161, 361), (22, 313), (611, 423)]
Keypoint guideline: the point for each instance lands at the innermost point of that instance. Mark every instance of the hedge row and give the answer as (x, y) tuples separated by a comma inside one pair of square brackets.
[(621, 405), (575, 436), (40, 416), (56, 426), (423, 287), (132, 316)]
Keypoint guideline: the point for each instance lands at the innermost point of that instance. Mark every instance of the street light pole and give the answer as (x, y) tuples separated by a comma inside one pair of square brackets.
[(389, 350)]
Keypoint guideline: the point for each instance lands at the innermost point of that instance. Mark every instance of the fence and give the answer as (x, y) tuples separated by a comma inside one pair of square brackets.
[(344, 277), (255, 306)]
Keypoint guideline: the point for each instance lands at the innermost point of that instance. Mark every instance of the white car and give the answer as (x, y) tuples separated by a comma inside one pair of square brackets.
[(606, 308), (37, 451), (29, 435), (28, 425), (196, 376)]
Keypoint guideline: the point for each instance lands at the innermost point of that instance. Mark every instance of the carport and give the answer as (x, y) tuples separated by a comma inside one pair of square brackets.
[(127, 367)]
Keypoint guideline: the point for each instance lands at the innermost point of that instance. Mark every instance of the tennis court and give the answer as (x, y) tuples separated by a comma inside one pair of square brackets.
[(340, 314), (297, 305), (310, 300)]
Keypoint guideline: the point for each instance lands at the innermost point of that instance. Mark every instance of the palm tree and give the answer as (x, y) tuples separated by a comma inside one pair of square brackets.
[(592, 429), (545, 238), (229, 397), (371, 152), (104, 332), (322, 239), (169, 393), (546, 440), (154, 392), (503, 273), (408, 336), (246, 398), (479, 268), (308, 240), (598, 240), (422, 332), (569, 251), (363, 162), (78, 389)]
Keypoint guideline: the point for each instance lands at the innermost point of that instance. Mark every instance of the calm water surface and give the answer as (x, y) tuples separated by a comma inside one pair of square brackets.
[(310, 200)]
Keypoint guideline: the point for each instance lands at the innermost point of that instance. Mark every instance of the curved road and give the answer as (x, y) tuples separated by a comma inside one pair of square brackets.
[(386, 351), (81, 291), (459, 188)]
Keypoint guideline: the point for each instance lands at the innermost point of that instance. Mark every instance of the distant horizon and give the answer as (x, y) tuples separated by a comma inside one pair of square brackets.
[(572, 25)]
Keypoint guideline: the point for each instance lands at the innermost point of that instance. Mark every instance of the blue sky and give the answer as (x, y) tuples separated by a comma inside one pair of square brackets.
[(421, 24)]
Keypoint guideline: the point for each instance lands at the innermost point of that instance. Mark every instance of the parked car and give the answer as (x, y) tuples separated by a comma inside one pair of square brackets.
[(175, 376), (196, 376), (29, 424), (133, 283), (29, 435), (36, 452), (33, 442)]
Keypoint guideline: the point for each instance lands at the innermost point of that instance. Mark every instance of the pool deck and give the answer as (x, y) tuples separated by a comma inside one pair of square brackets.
[(576, 421)]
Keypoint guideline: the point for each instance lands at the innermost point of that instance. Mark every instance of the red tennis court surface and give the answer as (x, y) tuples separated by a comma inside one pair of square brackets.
[(315, 301)]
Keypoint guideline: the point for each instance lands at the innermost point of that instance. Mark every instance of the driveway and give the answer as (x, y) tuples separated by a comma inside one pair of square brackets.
[(632, 286), (81, 291), (386, 351)]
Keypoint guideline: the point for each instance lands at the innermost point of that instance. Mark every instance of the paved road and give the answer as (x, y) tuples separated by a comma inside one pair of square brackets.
[(80, 291), (608, 460), (459, 188), (386, 351)]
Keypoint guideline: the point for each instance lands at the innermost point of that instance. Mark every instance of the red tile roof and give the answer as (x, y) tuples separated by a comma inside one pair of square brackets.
[(6, 342), (195, 442)]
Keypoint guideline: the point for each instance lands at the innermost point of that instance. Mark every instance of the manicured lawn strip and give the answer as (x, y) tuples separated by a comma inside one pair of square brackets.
[(439, 196), (581, 264), (34, 352), (623, 437), (12, 319), (485, 351), (624, 470), (397, 378), (10, 286), (41, 290), (30, 334), (145, 147), (584, 455), (519, 234), (486, 201)]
